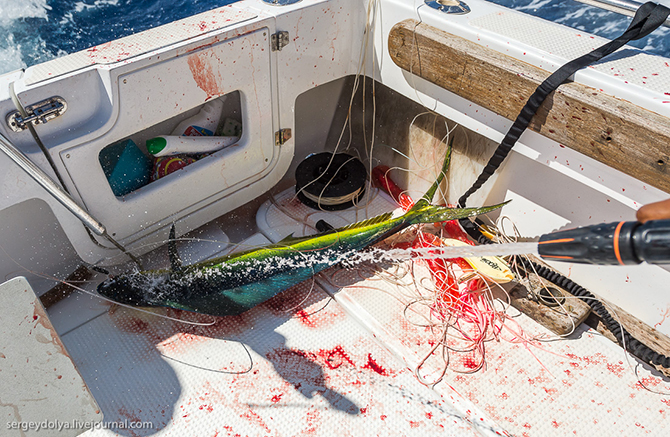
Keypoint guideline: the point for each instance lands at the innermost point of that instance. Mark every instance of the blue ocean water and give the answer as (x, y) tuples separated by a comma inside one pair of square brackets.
[(592, 20), (34, 31)]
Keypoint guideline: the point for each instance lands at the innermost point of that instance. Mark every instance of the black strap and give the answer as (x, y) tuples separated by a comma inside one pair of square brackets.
[(648, 18)]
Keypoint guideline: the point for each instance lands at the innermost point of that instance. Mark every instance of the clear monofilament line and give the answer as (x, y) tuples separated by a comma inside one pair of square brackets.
[(352, 258), (445, 252)]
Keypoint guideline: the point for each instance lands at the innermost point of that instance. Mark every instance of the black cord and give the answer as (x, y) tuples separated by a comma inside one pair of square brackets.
[(648, 17), (632, 344)]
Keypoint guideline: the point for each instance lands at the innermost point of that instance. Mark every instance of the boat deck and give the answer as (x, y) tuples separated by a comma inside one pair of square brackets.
[(337, 356)]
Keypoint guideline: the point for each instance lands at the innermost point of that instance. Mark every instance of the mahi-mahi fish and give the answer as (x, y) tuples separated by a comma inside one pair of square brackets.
[(232, 284)]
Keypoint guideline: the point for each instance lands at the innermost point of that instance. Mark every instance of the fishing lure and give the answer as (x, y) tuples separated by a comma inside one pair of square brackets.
[(232, 284), (446, 284)]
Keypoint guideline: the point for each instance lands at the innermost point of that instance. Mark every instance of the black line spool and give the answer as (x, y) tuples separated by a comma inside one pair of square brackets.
[(331, 186)]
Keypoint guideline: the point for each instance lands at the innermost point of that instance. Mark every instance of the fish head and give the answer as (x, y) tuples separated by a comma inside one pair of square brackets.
[(126, 289)]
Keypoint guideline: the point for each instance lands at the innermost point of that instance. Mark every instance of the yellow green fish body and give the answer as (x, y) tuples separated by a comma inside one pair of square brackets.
[(232, 284)]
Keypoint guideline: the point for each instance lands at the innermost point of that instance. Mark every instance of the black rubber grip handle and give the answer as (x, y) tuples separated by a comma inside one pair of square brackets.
[(651, 242), (610, 243), (605, 244)]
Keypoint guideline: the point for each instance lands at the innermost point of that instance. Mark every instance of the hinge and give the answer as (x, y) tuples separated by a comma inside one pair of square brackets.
[(37, 113), (282, 136), (279, 40)]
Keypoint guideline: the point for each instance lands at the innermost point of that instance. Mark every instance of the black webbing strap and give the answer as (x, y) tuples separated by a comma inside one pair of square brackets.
[(647, 18)]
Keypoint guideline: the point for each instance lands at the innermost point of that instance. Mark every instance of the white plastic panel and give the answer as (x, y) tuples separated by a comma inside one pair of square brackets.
[(165, 89), (630, 73), (40, 383)]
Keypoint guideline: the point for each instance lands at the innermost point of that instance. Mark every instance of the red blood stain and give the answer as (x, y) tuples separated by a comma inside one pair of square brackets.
[(384, 416), (304, 318), (276, 398), (364, 410), (40, 318), (550, 391), (429, 415), (538, 379), (335, 357), (312, 419), (372, 364), (254, 418), (414, 424), (595, 359), (209, 408), (649, 382), (285, 302), (555, 424), (318, 318), (230, 431), (132, 417), (617, 369), (137, 325), (469, 363), (203, 74)]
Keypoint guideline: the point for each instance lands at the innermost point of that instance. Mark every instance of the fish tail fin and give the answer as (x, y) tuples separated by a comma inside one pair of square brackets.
[(428, 197), (424, 212)]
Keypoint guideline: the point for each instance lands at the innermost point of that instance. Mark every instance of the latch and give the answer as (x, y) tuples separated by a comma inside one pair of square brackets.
[(282, 136), (37, 113), (279, 40)]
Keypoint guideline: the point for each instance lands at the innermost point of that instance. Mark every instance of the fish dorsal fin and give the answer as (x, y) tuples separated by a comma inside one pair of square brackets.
[(288, 240), (368, 222), (175, 260)]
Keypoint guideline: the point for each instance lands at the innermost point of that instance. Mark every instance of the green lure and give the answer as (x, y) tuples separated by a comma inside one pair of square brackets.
[(232, 284)]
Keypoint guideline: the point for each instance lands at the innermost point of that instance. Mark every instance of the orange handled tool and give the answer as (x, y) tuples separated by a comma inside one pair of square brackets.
[(610, 243)]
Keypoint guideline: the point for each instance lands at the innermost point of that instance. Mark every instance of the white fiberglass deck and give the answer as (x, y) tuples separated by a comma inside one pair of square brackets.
[(577, 386), (295, 365), (304, 363)]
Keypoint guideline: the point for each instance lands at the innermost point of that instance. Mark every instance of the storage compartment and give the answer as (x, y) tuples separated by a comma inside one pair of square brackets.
[(154, 153), (392, 130), (112, 177)]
